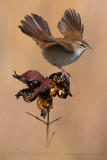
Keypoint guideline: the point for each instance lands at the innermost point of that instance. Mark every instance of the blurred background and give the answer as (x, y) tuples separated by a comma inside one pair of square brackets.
[(82, 132)]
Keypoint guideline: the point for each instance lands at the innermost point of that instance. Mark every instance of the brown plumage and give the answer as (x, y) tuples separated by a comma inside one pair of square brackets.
[(58, 51), (70, 24), (35, 27)]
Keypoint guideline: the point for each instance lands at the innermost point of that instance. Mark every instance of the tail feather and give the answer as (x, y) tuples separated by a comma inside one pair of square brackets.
[(35, 27), (28, 29), (41, 24)]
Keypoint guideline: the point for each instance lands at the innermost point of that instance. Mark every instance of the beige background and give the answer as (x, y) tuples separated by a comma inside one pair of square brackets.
[(82, 132)]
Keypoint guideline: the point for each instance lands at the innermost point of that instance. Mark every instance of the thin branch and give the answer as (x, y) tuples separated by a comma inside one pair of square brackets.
[(50, 139), (36, 117), (55, 120)]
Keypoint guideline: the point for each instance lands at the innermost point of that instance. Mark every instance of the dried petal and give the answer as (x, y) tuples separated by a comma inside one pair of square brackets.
[(45, 85), (29, 76), (28, 94), (44, 102), (60, 85), (43, 113)]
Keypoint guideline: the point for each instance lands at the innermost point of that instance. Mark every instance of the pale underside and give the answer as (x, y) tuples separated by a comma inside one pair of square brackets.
[(58, 56)]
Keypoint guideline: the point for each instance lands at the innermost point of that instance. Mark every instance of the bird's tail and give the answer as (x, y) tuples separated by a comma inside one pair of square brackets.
[(35, 27)]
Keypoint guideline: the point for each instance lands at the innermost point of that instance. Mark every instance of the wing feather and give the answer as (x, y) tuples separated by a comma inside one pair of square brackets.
[(71, 24)]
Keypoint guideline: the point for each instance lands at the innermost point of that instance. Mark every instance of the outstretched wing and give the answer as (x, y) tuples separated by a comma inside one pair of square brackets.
[(70, 24)]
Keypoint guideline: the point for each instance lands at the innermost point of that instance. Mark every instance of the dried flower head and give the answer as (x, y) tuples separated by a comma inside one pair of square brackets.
[(43, 89)]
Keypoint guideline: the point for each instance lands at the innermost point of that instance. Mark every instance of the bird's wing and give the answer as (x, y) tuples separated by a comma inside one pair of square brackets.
[(70, 24), (57, 42)]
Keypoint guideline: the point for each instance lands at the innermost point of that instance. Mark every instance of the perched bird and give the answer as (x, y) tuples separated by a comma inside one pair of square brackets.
[(58, 51)]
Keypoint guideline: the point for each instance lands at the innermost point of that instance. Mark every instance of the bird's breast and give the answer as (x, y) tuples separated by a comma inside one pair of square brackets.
[(59, 56)]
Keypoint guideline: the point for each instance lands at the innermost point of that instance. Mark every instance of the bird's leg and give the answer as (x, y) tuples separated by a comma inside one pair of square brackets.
[(64, 72)]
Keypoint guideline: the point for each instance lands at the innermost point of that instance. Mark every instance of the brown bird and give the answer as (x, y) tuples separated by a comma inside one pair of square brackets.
[(58, 51)]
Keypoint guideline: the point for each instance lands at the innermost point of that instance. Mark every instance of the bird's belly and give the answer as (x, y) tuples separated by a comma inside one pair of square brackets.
[(60, 57)]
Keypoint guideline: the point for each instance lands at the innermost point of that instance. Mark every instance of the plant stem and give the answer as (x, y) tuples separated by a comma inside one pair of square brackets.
[(47, 126), (50, 139), (47, 133)]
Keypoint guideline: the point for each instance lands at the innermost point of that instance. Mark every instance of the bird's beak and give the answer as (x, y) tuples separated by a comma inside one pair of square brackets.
[(90, 48)]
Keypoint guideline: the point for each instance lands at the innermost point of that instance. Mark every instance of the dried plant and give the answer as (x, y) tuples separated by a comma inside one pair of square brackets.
[(43, 90)]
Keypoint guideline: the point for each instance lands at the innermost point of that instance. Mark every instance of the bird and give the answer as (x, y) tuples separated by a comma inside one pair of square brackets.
[(57, 51)]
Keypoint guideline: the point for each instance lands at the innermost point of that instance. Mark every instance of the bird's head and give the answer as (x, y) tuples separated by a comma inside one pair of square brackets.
[(80, 45)]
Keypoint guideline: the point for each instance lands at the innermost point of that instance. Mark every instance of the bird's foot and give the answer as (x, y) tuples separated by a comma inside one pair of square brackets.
[(64, 72)]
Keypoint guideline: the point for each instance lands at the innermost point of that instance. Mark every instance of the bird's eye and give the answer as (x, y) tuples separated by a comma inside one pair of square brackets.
[(81, 44)]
